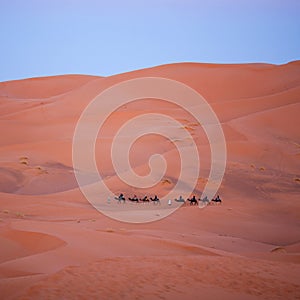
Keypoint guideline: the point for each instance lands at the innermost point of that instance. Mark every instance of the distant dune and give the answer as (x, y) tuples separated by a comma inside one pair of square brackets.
[(55, 245)]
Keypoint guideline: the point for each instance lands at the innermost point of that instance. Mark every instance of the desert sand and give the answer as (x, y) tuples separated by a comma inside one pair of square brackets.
[(55, 245)]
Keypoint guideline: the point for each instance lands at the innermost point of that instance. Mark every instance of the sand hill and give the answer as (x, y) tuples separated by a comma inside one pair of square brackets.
[(55, 245)]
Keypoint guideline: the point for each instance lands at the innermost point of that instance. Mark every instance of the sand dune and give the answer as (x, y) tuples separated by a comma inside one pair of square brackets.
[(43, 87), (55, 245)]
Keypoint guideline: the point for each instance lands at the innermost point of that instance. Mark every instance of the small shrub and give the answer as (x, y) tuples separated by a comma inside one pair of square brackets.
[(42, 171), (166, 181), (19, 215), (23, 160), (187, 127), (278, 250), (194, 124)]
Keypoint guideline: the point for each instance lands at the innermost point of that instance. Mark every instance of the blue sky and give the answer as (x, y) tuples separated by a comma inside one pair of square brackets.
[(40, 38)]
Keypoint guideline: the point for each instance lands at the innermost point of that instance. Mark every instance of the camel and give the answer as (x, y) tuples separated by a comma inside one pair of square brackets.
[(155, 200), (193, 200), (145, 199), (121, 198), (134, 199), (217, 200), (204, 200), (180, 199)]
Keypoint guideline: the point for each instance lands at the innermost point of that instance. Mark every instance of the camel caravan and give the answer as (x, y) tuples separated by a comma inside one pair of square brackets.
[(155, 200)]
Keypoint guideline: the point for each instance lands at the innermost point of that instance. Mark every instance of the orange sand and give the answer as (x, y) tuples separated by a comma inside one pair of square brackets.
[(55, 245)]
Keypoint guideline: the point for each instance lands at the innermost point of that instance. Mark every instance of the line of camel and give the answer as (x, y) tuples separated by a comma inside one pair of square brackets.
[(155, 200)]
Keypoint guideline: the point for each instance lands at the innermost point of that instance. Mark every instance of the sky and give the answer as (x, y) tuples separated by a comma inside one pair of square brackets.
[(42, 38)]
